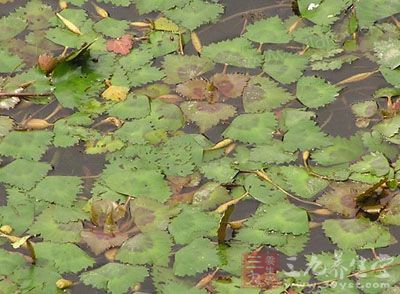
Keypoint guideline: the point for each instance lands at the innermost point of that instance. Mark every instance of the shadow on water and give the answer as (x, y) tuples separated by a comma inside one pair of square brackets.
[(336, 118)]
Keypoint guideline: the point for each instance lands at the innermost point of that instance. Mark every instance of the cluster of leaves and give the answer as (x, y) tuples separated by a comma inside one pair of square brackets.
[(162, 204)]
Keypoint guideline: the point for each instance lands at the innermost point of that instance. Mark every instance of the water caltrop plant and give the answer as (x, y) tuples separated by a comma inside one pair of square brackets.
[(146, 146)]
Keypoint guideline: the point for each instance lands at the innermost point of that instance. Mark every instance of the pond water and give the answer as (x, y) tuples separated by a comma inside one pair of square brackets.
[(124, 190)]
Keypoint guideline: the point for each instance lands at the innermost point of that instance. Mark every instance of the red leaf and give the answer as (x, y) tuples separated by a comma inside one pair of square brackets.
[(121, 45)]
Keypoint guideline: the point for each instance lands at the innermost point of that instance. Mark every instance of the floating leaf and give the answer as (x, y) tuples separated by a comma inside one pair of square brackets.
[(374, 163), (269, 30), (341, 197), (63, 257), (193, 223), (6, 125), (236, 52), (263, 94), (388, 53), (115, 93), (230, 85), (283, 66), (14, 144), (318, 37), (121, 45), (365, 109), (357, 233), (321, 12), (115, 278), (23, 173), (205, 258), (315, 92), (207, 115), (58, 189), (180, 68), (390, 214), (195, 13), (197, 90), (252, 128), (221, 171), (147, 248), (111, 27)]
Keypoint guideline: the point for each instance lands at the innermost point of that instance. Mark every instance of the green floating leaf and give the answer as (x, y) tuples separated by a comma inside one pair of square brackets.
[(269, 30), (192, 223), (220, 170), (115, 278), (19, 207), (210, 195), (133, 107), (316, 37), (11, 26), (206, 115), (10, 262), (263, 94), (6, 125), (36, 279), (322, 12), (342, 150), (23, 173), (206, 257), (63, 257), (329, 265), (357, 233), (263, 191), (147, 248), (301, 133), (252, 128), (298, 180), (195, 13), (370, 11), (282, 217), (374, 163), (8, 62), (388, 53), (111, 27), (58, 189), (181, 68), (237, 52), (389, 127), (283, 66), (143, 183), (315, 92), (391, 214), (56, 230), (365, 109), (274, 153), (15, 144)]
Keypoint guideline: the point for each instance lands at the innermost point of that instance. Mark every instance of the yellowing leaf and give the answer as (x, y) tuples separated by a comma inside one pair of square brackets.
[(115, 93), (72, 27), (100, 11)]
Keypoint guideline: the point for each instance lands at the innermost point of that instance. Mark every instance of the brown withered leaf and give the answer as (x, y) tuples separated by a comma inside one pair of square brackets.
[(121, 45), (230, 85)]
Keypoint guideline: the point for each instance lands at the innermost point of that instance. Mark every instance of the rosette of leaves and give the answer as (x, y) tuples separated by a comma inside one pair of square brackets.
[(208, 114), (110, 225), (282, 225)]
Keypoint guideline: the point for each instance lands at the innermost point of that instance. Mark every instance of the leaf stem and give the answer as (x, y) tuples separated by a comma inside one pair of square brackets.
[(24, 95), (313, 285)]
